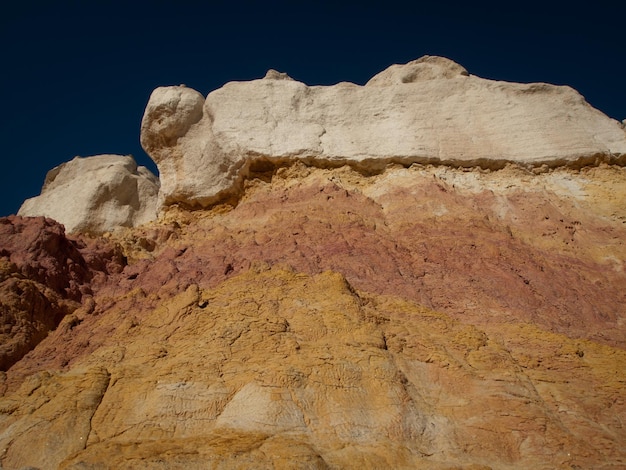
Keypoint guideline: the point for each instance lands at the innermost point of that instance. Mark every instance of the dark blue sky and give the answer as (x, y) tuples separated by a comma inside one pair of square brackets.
[(76, 75)]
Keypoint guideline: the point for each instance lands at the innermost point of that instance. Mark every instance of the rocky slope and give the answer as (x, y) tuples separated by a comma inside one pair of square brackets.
[(425, 317), (325, 316)]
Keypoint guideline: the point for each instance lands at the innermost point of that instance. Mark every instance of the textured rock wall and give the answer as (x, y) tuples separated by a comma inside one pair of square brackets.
[(274, 367), (44, 276), (96, 194), (379, 314), (427, 317)]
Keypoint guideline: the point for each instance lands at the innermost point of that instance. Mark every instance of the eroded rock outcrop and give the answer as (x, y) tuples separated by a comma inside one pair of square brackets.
[(44, 276), (96, 194), (427, 317), (427, 111), (276, 369), (369, 315)]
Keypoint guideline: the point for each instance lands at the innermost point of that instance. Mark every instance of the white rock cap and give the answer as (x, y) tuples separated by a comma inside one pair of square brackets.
[(430, 110)]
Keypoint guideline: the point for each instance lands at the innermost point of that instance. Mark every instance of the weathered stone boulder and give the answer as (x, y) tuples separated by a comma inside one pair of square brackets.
[(427, 111), (96, 194)]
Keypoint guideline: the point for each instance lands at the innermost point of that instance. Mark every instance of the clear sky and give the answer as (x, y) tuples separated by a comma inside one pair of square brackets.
[(76, 75)]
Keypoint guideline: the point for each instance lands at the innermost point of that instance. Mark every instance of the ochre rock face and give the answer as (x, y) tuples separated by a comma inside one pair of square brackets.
[(422, 317)]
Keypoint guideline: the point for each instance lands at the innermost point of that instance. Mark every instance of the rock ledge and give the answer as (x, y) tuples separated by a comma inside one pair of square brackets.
[(429, 111)]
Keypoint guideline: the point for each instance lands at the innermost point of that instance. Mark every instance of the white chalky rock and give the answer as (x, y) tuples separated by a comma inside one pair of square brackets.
[(427, 111), (97, 194)]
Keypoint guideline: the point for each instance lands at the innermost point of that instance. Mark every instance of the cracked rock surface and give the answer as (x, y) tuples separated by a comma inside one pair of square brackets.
[(45, 276)]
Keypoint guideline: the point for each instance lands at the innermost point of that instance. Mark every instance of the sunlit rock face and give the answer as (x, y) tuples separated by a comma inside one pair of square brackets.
[(427, 272), (45, 276), (427, 111), (96, 194), (427, 317)]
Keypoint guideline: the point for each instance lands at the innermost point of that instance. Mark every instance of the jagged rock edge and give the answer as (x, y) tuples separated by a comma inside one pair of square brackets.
[(256, 165)]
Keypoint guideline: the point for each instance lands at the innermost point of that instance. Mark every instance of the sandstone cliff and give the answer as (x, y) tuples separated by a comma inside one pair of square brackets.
[(330, 316)]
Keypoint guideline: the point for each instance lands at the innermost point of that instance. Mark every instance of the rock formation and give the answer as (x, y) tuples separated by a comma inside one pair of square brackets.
[(96, 194), (336, 313), (427, 111), (44, 276)]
